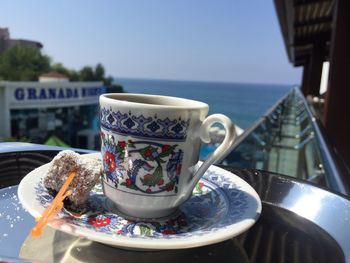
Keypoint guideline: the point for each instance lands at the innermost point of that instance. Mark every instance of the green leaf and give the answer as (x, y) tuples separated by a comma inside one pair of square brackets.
[(131, 145), (198, 188), (153, 179), (118, 148), (145, 230)]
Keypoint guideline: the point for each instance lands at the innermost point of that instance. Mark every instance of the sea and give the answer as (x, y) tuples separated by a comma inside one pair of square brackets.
[(243, 103)]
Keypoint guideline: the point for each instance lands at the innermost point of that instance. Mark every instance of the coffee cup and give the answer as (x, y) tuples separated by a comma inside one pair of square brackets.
[(150, 150)]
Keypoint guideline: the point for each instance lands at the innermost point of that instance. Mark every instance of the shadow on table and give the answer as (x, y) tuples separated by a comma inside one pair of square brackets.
[(68, 248)]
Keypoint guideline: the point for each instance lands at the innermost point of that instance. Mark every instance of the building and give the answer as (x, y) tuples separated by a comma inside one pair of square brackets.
[(6, 42), (39, 110), (53, 76), (315, 32)]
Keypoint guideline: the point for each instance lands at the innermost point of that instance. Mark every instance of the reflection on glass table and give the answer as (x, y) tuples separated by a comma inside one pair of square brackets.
[(297, 224)]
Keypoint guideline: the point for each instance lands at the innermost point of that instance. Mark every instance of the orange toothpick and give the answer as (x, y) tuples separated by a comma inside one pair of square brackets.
[(54, 208)]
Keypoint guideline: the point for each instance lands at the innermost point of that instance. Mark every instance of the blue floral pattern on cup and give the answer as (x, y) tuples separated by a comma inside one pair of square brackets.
[(144, 126), (143, 166)]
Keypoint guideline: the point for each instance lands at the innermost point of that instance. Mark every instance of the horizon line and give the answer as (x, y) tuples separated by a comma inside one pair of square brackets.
[(210, 81)]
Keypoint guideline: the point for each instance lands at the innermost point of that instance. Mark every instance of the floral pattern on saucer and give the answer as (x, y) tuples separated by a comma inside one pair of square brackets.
[(216, 203), (222, 206)]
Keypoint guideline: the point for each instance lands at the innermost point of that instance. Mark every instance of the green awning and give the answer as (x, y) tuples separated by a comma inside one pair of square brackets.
[(55, 141)]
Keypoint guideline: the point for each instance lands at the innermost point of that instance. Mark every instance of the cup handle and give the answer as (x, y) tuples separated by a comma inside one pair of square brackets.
[(230, 137)]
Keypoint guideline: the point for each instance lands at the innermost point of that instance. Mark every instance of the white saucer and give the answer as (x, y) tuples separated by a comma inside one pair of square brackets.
[(222, 206)]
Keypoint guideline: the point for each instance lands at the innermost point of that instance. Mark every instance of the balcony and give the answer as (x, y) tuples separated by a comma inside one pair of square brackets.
[(284, 156), (289, 140)]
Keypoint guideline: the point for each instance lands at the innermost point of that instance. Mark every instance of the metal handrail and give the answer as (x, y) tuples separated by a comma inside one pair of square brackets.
[(331, 166)]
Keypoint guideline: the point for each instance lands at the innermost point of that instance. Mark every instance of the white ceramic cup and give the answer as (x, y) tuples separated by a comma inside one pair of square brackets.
[(150, 150)]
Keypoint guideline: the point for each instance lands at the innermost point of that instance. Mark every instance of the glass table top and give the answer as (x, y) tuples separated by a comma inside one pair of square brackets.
[(283, 233)]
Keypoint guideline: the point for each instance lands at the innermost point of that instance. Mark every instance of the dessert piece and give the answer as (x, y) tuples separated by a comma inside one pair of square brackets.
[(88, 174)]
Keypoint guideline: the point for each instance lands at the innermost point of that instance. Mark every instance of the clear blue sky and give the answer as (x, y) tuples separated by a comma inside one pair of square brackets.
[(233, 40)]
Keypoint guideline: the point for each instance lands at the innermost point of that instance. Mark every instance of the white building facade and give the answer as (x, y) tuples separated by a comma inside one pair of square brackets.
[(37, 110)]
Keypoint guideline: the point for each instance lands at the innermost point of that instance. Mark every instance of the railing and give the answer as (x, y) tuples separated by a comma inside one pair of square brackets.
[(289, 140)]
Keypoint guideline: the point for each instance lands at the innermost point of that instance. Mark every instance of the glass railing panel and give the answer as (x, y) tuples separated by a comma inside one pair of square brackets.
[(285, 140)]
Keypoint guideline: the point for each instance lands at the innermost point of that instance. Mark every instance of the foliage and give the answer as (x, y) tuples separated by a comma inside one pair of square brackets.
[(99, 72), (87, 73), (71, 74), (23, 63)]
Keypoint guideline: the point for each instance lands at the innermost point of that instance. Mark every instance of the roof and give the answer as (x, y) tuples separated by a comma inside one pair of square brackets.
[(54, 74), (25, 42), (304, 24)]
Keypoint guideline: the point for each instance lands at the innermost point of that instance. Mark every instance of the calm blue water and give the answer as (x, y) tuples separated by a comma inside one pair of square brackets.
[(243, 103)]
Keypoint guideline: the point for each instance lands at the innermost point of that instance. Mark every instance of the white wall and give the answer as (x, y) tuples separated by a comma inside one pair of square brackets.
[(324, 77)]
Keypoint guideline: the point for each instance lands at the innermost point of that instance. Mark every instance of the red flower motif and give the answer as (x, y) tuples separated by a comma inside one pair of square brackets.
[(168, 232), (148, 153), (178, 168), (99, 222), (148, 190), (120, 231), (122, 144), (201, 184), (110, 160), (165, 148), (161, 181), (128, 182), (130, 142), (108, 155), (170, 187), (112, 167)]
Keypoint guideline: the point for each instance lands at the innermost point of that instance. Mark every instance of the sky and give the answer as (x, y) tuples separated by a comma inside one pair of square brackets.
[(206, 40)]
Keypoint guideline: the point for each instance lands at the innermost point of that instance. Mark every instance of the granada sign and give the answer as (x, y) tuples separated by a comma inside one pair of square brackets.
[(68, 94), (55, 93)]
